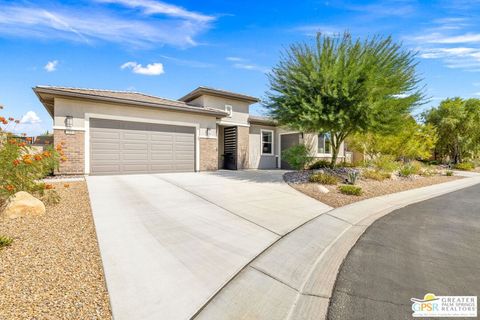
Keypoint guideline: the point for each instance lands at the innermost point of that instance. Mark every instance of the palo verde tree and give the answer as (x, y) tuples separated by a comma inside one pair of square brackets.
[(343, 86)]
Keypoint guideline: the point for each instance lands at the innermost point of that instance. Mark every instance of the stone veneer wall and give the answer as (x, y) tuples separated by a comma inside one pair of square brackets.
[(74, 149), (242, 147), (208, 154)]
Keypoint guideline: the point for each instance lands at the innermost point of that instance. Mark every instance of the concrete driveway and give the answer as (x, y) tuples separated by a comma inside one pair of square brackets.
[(169, 242)]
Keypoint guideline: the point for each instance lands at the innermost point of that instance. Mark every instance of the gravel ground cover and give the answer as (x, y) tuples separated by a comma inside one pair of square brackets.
[(370, 188), (53, 269)]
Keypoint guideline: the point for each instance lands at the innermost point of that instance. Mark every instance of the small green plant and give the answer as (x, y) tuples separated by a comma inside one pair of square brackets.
[(385, 163), (350, 190), (298, 156), (319, 164), (449, 173), (323, 178), (409, 169), (465, 166), (5, 241), (376, 175), (352, 177)]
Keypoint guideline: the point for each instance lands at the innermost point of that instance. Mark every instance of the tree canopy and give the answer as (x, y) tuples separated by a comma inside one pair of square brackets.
[(342, 86), (457, 123)]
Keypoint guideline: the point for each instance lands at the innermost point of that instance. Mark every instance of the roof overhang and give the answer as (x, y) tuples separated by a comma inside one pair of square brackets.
[(47, 97), (262, 121), (218, 93)]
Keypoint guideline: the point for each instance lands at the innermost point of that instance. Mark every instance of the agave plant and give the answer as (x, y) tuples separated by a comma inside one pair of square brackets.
[(353, 177)]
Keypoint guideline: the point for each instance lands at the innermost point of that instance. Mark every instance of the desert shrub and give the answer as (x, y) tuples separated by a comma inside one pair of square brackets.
[(323, 178), (21, 167), (298, 156), (350, 190), (449, 173), (345, 164), (376, 175), (465, 166), (410, 168), (5, 241), (352, 176), (385, 163), (319, 164), (428, 171)]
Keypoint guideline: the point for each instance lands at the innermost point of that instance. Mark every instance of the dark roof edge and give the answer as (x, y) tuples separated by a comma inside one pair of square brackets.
[(263, 120), (192, 109)]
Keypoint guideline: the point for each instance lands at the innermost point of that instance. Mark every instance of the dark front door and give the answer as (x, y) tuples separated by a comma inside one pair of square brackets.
[(230, 148), (288, 141)]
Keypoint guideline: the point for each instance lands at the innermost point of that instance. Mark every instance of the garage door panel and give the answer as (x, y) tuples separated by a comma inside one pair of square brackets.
[(105, 135), (118, 147), (105, 146)]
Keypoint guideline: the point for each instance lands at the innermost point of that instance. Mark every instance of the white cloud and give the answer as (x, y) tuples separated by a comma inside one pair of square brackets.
[(51, 66), (157, 7), (235, 59), (30, 118), (249, 66), (177, 28), (153, 69), (444, 39)]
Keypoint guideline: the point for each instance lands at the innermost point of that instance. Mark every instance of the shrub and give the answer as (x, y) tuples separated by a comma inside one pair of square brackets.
[(319, 164), (409, 169), (5, 241), (352, 176), (21, 167), (449, 173), (376, 175), (385, 163), (428, 171), (350, 190), (345, 164), (298, 156), (323, 178), (465, 166)]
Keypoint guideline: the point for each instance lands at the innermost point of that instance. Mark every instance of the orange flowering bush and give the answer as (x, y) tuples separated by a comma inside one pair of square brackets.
[(21, 168)]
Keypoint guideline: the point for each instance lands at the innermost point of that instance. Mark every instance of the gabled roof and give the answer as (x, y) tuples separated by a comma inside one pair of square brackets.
[(217, 92), (47, 93)]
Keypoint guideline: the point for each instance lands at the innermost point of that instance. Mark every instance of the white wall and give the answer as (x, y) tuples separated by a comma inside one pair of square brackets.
[(240, 108)]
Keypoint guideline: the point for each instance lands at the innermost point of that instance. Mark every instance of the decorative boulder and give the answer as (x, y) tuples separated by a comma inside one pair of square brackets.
[(23, 204), (322, 189)]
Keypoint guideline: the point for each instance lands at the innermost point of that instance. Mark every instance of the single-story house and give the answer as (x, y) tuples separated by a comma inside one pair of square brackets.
[(123, 132)]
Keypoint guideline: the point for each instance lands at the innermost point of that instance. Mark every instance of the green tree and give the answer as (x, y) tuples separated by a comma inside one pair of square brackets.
[(457, 123), (410, 141), (343, 86)]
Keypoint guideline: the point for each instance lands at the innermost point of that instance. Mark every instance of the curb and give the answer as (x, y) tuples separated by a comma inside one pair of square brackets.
[(279, 292)]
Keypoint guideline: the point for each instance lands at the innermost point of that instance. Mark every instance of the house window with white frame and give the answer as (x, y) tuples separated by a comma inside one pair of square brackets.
[(229, 110), (324, 144), (267, 142)]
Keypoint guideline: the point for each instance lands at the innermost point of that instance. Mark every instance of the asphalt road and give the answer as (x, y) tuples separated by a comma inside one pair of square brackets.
[(432, 246)]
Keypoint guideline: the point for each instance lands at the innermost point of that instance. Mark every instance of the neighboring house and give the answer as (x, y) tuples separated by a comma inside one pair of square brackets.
[(120, 132)]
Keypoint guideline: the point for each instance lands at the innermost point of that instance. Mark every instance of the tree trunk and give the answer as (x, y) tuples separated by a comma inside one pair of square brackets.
[(335, 143)]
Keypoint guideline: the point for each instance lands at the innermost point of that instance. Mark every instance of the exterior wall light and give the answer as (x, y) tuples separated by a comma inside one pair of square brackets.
[(69, 125)]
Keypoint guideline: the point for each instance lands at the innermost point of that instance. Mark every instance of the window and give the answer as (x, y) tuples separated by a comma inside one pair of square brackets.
[(267, 142), (324, 143), (229, 109)]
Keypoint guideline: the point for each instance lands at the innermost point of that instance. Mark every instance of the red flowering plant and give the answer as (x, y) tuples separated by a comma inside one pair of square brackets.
[(21, 166)]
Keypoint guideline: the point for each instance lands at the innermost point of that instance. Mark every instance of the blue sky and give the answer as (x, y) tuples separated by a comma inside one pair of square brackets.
[(169, 48)]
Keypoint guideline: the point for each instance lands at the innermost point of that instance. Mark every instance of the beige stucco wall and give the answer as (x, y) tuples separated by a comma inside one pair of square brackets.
[(240, 108), (256, 159), (78, 108)]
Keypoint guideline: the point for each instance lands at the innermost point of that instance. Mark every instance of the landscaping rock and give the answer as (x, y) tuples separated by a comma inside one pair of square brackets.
[(23, 204), (322, 189)]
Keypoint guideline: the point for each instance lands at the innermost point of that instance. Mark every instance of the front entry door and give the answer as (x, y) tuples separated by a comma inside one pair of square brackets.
[(288, 141), (230, 148)]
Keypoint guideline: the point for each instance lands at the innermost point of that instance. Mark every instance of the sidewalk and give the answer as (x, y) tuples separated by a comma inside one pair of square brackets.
[(294, 278)]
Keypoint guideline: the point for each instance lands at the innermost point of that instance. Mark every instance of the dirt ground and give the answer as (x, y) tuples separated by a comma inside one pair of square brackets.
[(370, 188), (53, 269)]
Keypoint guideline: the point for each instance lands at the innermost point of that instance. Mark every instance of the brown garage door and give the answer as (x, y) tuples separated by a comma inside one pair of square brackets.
[(123, 147)]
